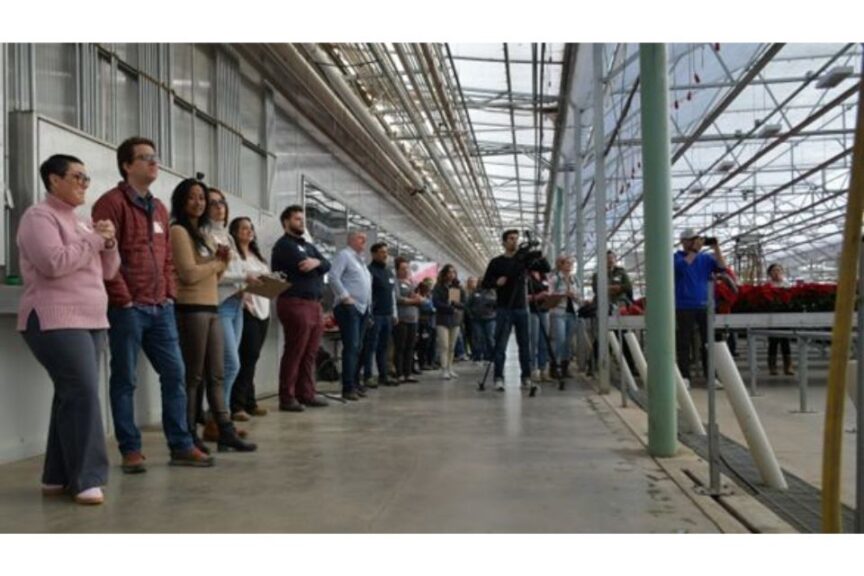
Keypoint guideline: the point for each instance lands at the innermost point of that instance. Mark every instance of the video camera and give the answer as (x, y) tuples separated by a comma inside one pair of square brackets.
[(530, 256)]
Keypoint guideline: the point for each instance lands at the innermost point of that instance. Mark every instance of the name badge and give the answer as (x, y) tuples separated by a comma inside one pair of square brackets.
[(157, 228)]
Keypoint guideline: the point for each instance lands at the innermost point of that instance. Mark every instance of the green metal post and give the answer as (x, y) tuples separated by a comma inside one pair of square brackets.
[(660, 288)]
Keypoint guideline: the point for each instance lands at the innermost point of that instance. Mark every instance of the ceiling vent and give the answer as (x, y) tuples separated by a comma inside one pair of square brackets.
[(769, 130), (834, 76), (725, 166)]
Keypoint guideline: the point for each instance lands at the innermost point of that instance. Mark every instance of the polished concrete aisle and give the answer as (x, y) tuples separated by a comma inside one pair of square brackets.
[(430, 457)]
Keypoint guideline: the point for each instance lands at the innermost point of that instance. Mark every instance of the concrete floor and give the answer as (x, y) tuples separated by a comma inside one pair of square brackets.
[(426, 458)]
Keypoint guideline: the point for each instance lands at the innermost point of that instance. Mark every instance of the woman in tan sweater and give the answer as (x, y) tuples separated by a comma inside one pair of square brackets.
[(199, 264)]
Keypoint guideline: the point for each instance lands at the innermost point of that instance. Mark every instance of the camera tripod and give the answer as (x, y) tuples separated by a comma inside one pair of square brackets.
[(553, 361)]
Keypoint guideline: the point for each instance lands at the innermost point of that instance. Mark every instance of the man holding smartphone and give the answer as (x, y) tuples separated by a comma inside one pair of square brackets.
[(694, 270)]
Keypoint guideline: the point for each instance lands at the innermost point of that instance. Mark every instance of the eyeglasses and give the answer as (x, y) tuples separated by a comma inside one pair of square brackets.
[(80, 177), (149, 158)]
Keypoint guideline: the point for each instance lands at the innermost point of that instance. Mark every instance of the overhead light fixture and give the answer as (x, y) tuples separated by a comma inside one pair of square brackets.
[(725, 166), (769, 130), (697, 189), (834, 76)]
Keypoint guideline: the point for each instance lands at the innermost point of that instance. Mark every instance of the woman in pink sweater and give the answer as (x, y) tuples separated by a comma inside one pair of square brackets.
[(62, 314)]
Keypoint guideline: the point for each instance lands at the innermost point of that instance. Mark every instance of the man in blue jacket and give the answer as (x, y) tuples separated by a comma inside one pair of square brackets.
[(694, 270), (383, 316)]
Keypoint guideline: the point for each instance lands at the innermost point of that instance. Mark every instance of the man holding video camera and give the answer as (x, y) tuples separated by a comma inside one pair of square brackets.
[(506, 275), (694, 270)]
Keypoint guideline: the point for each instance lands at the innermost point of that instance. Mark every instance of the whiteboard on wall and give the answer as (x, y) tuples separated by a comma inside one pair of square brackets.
[(100, 160)]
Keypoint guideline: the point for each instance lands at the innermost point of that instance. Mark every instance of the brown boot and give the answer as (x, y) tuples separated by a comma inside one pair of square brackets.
[(211, 431), (787, 367)]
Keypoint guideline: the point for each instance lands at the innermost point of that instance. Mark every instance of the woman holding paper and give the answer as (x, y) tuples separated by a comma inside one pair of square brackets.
[(256, 320), (449, 299)]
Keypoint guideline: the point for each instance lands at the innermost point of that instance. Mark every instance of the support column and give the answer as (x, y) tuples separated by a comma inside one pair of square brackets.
[(660, 286), (578, 248), (602, 296)]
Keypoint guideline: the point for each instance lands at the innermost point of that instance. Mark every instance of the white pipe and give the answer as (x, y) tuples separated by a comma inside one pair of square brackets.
[(687, 406), (685, 401), (638, 357), (622, 362), (748, 420)]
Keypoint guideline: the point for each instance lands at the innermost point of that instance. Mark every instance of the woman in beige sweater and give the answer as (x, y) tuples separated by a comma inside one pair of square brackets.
[(199, 264)]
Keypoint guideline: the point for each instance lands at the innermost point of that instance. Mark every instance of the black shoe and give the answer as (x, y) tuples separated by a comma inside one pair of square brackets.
[(353, 396), (360, 392), (228, 440), (292, 406), (315, 402), (390, 383)]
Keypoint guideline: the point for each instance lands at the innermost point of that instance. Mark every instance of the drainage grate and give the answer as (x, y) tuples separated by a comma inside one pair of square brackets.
[(800, 505)]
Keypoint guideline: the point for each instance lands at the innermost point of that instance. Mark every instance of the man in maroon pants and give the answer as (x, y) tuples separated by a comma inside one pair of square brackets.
[(299, 310)]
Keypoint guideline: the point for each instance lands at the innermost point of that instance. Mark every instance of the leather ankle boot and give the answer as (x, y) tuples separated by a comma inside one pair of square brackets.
[(229, 440)]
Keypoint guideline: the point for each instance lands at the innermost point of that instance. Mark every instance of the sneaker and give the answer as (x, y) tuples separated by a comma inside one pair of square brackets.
[(53, 489), (292, 406), (258, 411), (526, 383), (191, 457), (315, 402), (90, 497), (352, 396), (133, 463), (370, 383), (240, 416), (453, 374), (535, 375), (410, 380), (499, 384), (445, 374), (361, 392), (544, 375)]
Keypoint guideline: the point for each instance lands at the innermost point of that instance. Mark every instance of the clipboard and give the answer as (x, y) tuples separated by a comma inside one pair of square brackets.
[(552, 301), (455, 296), (270, 287)]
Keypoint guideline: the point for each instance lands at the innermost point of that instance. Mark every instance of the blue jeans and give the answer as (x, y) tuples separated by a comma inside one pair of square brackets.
[(562, 328), (231, 317), (505, 320), (539, 351), (378, 337), (351, 323), (153, 328), (483, 339)]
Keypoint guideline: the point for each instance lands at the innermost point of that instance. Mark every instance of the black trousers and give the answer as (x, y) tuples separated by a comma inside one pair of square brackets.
[(688, 323), (404, 339), (254, 335), (783, 344), (76, 456)]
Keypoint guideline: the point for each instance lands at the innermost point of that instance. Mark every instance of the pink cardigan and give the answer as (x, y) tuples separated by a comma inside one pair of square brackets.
[(63, 264)]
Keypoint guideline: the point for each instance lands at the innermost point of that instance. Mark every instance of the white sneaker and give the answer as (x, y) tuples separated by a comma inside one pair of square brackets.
[(90, 497), (445, 374), (499, 384), (453, 374), (535, 375)]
